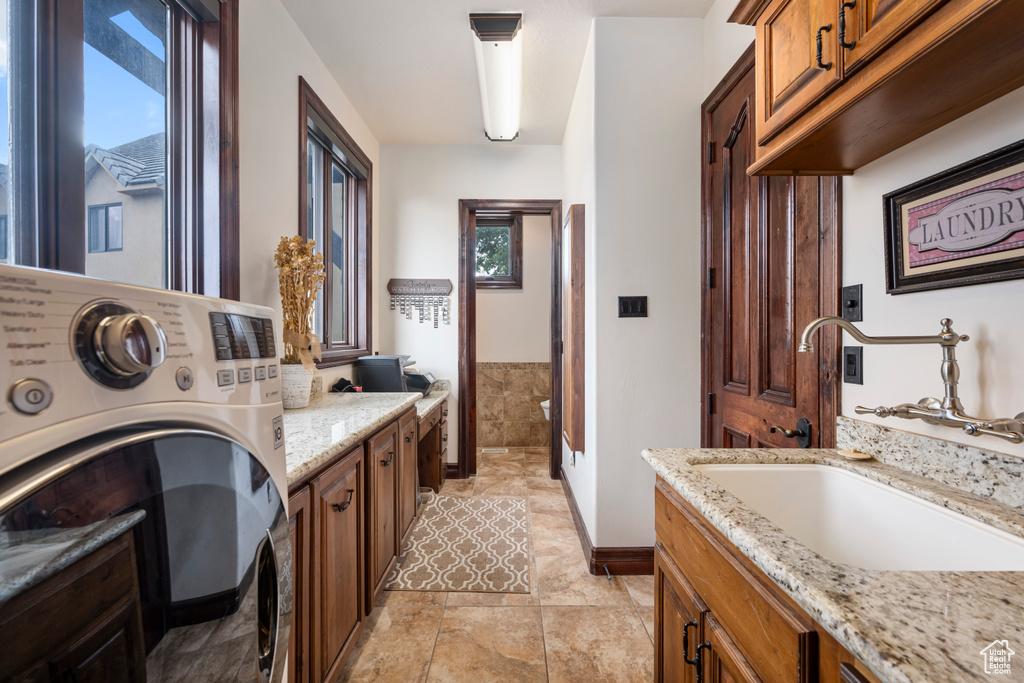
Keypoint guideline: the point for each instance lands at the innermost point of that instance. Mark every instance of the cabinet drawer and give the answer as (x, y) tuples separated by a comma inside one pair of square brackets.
[(431, 420), (741, 597)]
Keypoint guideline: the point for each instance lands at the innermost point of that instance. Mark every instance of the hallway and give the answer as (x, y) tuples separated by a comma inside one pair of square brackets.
[(572, 626)]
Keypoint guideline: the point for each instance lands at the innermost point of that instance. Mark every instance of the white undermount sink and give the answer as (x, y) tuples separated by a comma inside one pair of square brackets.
[(850, 519)]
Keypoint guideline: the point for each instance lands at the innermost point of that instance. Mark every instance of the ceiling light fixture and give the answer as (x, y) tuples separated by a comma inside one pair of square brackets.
[(499, 63)]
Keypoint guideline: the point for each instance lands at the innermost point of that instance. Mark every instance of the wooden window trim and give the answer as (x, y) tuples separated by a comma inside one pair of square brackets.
[(203, 119), (361, 232), (515, 249)]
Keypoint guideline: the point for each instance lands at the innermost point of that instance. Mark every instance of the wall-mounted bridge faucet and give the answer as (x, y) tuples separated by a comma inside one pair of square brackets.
[(949, 411)]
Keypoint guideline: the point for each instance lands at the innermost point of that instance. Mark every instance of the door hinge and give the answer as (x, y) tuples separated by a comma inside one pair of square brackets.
[(711, 152), (711, 404), (711, 278)]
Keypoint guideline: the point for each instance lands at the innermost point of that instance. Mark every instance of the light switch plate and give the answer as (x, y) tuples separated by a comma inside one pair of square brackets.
[(853, 364), (632, 306), (852, 304)]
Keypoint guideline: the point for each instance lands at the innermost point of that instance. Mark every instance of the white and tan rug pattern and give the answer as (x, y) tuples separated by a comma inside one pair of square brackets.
[(467, 544)]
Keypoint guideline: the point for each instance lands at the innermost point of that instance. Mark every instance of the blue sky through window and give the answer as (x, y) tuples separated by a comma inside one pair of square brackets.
[(120, 108)]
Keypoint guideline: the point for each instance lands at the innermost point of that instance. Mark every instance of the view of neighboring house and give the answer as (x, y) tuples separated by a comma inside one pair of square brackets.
[(125, 199)]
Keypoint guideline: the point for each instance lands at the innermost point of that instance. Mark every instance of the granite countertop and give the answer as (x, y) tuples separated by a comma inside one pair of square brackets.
[(437, 396), (906, 626), (28, 558), (333, 423)]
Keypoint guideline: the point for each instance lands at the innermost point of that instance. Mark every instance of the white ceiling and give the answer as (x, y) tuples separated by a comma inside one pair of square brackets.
[(408, 65)]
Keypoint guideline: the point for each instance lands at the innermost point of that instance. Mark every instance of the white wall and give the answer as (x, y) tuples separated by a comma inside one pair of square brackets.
[(419, 231), (644, 235), (723, 42), (579, 186), (991, 374), (648, 178), (273, 53), (514, 325)]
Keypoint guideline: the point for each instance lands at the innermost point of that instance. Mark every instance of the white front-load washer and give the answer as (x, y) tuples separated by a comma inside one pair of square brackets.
[(153, 417)]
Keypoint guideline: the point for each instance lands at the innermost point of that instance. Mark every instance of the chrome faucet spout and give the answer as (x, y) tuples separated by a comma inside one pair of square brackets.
[(945, 338), (949, 411)]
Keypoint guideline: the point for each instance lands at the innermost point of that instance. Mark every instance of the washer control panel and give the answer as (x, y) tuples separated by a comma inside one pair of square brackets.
[(75, 346)]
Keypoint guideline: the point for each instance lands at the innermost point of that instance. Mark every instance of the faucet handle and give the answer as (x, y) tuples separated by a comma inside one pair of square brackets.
[(880, 411)]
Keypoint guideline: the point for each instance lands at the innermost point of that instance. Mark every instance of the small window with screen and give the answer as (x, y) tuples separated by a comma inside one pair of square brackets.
[(499, 252)]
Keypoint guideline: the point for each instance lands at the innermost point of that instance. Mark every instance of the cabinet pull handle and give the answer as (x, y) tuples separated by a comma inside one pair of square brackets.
[(444, 414), (444, 438), (344, 506), (842, 25), (408, 438), (699, 660), (391, 456), (824, 67), (686, 642)]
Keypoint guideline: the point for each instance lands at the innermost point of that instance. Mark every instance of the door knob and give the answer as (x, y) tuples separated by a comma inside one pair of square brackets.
[(802, 433)]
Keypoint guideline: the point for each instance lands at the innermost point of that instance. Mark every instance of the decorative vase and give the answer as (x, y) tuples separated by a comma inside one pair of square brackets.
[(295, 386)]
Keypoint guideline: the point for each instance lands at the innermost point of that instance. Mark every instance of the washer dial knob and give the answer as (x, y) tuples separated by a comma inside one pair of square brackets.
[(130, 343), (117, 346)]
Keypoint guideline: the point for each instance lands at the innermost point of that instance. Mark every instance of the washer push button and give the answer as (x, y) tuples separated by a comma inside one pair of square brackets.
[(30, 396), (184, 378), (244, 375), (225, 378), (261, 373)]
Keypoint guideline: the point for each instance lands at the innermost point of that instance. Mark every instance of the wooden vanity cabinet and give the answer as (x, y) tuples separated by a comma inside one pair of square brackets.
[(433, 447), (381, 511), (300, 534), (338, 586), (747, 629), (902, 69), (407, 476)]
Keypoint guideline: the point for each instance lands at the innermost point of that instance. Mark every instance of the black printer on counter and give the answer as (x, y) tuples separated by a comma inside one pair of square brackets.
[(391, 373)]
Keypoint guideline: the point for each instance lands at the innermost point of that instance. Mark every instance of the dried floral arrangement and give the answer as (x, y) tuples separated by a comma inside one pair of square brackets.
[(300, 275)]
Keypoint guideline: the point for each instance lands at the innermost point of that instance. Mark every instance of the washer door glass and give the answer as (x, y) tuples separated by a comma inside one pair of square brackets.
[(209, 538)]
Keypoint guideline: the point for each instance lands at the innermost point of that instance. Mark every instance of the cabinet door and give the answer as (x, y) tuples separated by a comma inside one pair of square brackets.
[(299, 530), (382, 450), (675, 605), (724, 663), (789, 80), (872, 25), (111, 652), (339, 554), (406, 474)]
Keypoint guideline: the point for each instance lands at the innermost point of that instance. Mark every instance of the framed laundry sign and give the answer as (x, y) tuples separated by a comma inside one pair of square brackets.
[(964, 226)]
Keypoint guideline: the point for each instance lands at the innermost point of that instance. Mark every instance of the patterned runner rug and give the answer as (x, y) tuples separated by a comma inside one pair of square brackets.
[(466, 544)]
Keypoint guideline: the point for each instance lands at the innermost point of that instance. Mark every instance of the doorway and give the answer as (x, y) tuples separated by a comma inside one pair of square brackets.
[(771, 266), (469, 211)]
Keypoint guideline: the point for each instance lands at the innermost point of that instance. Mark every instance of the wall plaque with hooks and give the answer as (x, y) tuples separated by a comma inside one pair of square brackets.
[(428, 298)]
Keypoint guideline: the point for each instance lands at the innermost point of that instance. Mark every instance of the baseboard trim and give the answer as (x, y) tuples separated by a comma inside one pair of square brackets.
[(619, 561), (451, 470)]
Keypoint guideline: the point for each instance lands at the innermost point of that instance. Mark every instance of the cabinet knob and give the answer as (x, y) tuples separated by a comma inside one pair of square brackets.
[(391, 456), (344, 506)]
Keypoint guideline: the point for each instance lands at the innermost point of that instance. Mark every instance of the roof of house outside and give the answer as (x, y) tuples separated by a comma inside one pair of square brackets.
[(140, 162)]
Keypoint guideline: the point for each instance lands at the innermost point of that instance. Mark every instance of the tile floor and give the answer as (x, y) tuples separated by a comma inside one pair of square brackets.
[(572, 626)]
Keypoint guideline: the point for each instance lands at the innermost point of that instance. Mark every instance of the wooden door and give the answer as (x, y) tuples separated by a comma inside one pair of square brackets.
[(771, 267), (299, 530), (406, 474), (872, 25), (675, 605), (339, 555), (723, 662), (382, 450), (790, 79)]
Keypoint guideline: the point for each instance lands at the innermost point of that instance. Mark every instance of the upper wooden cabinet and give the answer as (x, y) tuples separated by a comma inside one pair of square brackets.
[(841, 83), (796, 61)]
